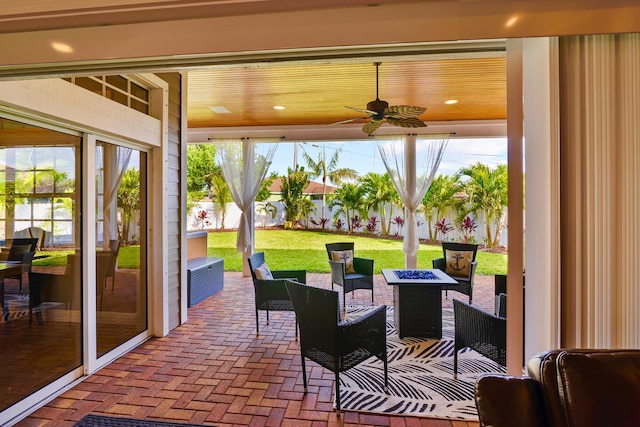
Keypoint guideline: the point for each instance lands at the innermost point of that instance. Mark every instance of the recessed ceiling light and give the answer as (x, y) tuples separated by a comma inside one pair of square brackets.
[(451, 101), (61, 47), (511, 21), (278, 107), (220, 109)]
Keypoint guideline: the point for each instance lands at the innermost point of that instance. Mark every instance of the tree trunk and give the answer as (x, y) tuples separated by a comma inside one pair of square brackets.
[(499, 224), (488, 228), (383, 218), (324, 191)]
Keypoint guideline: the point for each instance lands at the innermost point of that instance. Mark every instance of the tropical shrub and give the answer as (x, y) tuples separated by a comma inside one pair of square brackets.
[(442, 228), (468, 227)]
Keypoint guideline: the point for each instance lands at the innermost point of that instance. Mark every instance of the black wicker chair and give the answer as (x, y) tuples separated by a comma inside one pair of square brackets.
[(361, 279), (22, 250), (333, 344), (53, 287), (271, 295), (480, 331), (465, 283)]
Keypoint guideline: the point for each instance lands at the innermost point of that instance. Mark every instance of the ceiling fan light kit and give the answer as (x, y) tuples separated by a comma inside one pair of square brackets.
[(379, 111)]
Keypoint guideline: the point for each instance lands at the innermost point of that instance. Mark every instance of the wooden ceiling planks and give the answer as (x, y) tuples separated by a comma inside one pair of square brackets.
[(316, 93)]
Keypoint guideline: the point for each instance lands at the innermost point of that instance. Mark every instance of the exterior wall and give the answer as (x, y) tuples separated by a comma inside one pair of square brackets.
[(174, 205)]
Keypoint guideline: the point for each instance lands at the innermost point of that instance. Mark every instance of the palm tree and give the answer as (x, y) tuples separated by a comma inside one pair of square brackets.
[(221, 195), (381, 196), (267, 210), (330, 170), (293, 186), (348, 198), (128, 199), (306, 208), (486, 191), (439, 198)]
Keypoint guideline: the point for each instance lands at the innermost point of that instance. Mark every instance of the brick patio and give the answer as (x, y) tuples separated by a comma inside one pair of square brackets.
[(213, 370)]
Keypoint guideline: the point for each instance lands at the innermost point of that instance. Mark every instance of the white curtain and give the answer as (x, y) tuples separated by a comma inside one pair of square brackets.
[(412, 163), (244, 165), (115, 160)]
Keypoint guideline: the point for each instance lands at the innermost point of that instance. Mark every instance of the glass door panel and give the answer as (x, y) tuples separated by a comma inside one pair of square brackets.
[(40, 288), (121, 285)]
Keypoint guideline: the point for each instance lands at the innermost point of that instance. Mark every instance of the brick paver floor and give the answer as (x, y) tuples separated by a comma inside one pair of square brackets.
[(214, 370)]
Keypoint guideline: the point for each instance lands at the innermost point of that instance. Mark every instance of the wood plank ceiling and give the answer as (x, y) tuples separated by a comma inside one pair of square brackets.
[(316, 92)]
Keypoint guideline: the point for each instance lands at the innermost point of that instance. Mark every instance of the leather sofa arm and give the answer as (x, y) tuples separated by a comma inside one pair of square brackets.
[(507, 401)]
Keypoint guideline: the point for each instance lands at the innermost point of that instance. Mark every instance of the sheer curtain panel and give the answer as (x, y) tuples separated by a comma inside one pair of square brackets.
[(244, 165), (412, 163), (116, 160)]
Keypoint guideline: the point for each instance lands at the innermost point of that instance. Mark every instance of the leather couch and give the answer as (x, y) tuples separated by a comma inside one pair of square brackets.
[(565, 388)]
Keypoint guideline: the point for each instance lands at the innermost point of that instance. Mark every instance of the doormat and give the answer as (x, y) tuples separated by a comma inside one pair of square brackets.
[(93, 420), (420, 376)]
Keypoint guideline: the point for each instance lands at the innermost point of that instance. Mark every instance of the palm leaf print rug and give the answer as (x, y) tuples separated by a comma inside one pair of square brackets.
[(420, 376)]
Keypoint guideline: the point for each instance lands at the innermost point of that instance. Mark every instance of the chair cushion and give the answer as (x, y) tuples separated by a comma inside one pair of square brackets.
[(346, 257), (263, 272), (458, 263)]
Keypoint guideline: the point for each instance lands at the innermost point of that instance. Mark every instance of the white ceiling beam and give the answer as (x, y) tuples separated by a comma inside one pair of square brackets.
[(348, 132)]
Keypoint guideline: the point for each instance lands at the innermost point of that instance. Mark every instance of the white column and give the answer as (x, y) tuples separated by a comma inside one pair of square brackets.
[(410, 168), (248, 170), (89, 339), (542, 216), (515, 140)]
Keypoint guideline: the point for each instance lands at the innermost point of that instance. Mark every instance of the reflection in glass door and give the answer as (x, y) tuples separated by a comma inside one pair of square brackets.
[(40, 289), (121, 285)]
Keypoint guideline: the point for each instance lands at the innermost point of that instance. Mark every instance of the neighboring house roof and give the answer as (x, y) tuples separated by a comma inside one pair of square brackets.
[(312, 188)]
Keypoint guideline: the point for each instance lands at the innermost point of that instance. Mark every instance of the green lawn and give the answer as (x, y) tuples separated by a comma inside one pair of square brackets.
[(128, 257), (293, 249)]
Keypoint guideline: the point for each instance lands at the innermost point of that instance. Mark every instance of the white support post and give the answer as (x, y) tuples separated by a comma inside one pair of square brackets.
[(411, 260)]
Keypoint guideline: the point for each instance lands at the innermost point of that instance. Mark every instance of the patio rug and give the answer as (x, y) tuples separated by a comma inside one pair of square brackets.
[(17, 306), (420, 376), (93, 420)]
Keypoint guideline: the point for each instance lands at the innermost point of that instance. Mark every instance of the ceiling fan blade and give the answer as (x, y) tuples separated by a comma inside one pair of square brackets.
[(404, 111), (371, 127), (341, 122), (362, 110), (410, 122)]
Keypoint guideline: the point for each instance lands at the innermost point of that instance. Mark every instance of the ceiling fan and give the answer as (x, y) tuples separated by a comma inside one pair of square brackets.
[(378, 111)]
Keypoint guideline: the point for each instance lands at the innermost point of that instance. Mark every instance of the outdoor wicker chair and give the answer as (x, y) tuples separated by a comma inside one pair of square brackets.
[(53, 287), (22, 251), (466, 275), (481, 331), (271, 293), (333, 344), (351, 276)]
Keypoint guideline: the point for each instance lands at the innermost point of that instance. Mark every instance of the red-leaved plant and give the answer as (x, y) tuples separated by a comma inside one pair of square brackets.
[(468, 226)]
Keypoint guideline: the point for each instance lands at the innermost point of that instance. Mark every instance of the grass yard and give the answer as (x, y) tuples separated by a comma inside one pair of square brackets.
[(293, 249), (128, 257)]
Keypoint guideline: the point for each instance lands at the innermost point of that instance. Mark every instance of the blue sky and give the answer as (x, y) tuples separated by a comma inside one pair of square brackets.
[(363, 156)]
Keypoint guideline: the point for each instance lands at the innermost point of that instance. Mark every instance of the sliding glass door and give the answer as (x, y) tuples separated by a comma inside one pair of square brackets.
[(121, 285), (40, 287), (43, 298)]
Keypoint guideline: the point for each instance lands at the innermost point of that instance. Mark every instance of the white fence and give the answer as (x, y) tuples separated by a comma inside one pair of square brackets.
[(213, 221)]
